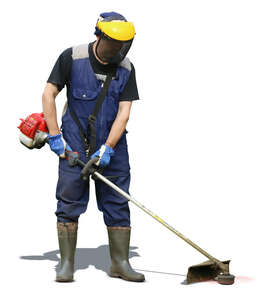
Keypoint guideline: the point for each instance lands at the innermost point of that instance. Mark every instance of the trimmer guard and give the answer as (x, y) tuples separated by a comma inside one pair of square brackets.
[(205, 271)]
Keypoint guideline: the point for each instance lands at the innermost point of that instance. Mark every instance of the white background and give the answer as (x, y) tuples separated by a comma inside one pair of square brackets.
[(194, 144)]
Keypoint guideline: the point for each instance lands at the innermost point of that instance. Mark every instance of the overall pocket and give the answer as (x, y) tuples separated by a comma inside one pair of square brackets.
[(83, 101), (84, 94)]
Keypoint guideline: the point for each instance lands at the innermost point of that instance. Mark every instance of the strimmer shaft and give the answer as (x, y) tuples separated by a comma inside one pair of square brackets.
[(127, 196)]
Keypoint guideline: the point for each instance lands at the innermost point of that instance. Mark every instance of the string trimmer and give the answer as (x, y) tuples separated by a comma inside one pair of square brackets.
[(34, 134)]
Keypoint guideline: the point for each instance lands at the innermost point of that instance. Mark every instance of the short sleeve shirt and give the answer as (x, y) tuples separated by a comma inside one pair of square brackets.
[(61, 74)]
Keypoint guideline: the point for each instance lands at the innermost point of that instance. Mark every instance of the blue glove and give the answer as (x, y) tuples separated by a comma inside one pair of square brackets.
[(57, 144), (104, 153)]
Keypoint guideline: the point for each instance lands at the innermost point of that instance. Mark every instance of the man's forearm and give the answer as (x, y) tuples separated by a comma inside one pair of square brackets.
[(116, 131), (49, 110)]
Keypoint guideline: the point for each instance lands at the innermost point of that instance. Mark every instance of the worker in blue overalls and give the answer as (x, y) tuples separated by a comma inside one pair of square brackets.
[(84, 70)]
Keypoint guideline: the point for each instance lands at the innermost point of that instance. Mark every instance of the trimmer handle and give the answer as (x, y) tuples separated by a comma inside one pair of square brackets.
[(89, 168), (73, 158)]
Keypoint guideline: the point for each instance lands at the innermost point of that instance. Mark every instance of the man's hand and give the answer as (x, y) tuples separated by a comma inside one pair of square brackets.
[(104, 154), (58, 145)]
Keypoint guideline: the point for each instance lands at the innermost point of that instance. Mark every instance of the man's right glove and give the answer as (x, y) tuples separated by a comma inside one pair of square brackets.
[(57, 145), (104, 154)]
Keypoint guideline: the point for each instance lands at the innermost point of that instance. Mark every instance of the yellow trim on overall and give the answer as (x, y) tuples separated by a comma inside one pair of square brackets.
[(117, 30)]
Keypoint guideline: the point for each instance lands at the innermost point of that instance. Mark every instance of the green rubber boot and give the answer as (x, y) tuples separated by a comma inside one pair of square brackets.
[(119, 241), (67, 237)]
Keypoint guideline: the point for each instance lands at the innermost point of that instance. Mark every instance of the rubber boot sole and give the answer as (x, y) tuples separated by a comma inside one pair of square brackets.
[(118, 275), (64, 280)]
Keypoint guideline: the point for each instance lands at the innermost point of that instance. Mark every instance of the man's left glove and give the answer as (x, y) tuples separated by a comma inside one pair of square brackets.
[(104, 154), (57, 144)]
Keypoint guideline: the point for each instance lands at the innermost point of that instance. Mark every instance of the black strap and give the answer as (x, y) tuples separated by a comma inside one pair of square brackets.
[(93, 116), (82, 133), (90, 143)]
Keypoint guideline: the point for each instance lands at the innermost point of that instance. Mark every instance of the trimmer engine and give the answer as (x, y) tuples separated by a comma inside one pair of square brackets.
[(34, 131)]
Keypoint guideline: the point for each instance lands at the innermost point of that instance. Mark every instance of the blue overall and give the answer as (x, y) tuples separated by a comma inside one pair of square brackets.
[(72, 192)]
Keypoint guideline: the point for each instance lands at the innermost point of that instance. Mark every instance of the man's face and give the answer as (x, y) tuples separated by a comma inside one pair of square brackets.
[(108, 48)]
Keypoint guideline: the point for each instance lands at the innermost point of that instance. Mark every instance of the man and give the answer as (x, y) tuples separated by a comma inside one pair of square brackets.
[(85, 70)]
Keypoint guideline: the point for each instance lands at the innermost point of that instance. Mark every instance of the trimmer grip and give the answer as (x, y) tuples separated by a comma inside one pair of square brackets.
[(72, 157), (89, 168)]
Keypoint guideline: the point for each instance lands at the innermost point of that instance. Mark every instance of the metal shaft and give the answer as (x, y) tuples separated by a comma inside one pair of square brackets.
[(128, 197)]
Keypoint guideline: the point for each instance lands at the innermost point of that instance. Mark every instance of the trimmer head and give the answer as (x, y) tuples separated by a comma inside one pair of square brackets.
[(225, 279), (210, 270)]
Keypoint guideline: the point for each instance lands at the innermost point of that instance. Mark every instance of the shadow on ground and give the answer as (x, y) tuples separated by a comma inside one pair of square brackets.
[(84, 257)]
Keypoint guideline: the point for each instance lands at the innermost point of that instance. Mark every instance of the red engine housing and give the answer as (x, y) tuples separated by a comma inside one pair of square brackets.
[(32, 123)]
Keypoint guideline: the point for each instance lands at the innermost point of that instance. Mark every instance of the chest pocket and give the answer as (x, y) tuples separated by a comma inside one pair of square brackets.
[(85, 94), (83, 101)]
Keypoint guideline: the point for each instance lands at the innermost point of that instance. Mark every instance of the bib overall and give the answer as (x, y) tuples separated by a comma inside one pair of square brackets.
[(72, 192)]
